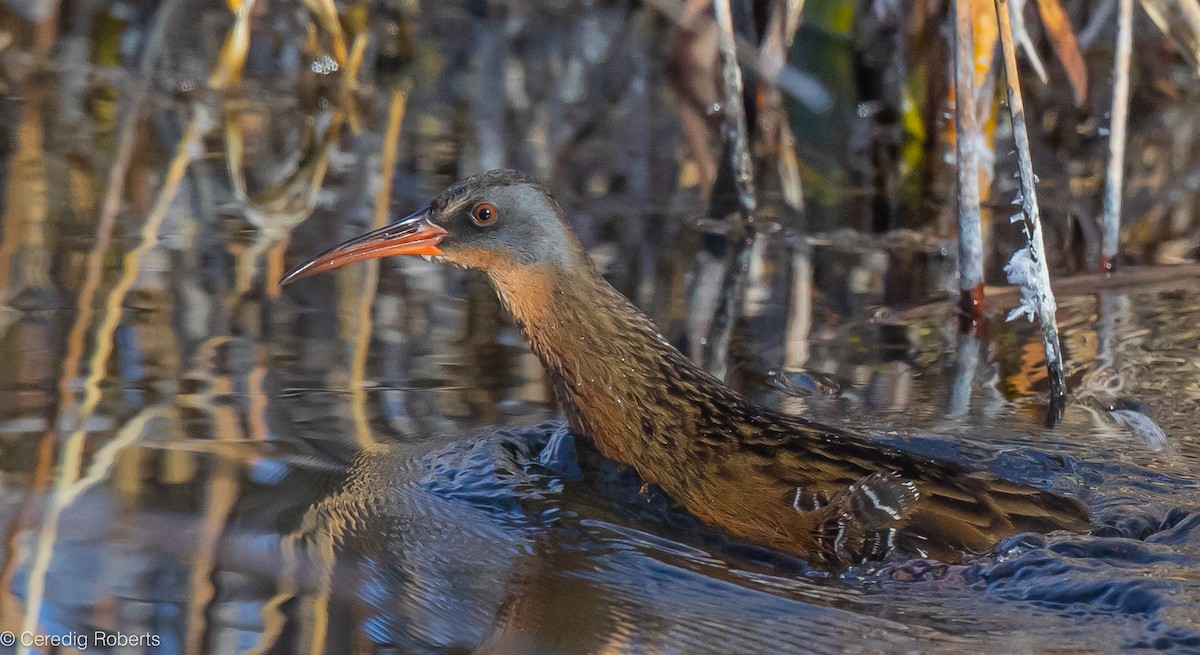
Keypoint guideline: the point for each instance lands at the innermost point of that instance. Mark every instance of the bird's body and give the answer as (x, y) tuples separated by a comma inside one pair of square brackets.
[(773, 478)]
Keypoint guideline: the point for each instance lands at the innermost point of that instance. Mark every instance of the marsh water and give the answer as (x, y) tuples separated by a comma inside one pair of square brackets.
[(354, 463)]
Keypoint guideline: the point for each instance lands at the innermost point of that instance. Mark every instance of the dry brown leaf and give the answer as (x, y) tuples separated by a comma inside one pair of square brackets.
[(1062, 37)]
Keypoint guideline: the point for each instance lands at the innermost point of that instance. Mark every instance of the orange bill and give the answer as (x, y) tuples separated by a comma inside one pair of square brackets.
[(412, 235)]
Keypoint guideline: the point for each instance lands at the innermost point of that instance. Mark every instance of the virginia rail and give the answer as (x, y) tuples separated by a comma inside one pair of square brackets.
[(827, 494)]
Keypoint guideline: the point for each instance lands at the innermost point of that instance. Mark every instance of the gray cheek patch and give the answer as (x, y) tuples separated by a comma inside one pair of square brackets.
[(536, 231)]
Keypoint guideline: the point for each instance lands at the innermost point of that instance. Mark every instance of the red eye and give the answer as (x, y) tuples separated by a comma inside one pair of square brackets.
[(484, 213)]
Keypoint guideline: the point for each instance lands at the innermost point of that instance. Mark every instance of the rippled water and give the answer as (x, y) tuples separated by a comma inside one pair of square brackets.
[(430, 531), (355, 463), (575, 566)]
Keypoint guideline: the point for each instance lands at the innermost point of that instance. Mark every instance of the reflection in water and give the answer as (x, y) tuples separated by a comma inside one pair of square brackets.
[(189, 452)]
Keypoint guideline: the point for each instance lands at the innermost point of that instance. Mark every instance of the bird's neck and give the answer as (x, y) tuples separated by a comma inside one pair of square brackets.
[(619, 381)]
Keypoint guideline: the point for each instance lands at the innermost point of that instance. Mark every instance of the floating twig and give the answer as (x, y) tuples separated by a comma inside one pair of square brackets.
[(967, 140), (1111, 216), (1028, 265)]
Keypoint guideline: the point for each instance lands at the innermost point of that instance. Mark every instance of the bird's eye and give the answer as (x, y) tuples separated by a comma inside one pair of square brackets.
[(484, 214)]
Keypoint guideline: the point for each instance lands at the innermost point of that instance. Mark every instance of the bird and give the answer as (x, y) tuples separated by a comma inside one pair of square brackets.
[(831, 495)]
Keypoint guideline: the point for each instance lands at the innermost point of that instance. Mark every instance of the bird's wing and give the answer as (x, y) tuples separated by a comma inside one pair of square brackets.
[(860, 522), (953, 510), (969, 512)]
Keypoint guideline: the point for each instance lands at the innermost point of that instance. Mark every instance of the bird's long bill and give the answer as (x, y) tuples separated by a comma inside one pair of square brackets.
[(411, 235)]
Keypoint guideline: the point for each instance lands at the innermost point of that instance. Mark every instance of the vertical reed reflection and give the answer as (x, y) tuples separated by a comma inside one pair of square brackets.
[(71, 456), (362, 337)]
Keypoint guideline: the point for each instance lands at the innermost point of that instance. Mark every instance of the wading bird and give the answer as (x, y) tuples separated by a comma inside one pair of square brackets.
[(831, 495)]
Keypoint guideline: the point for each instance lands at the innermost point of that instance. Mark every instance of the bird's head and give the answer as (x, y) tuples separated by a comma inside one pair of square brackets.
[(492, 221)]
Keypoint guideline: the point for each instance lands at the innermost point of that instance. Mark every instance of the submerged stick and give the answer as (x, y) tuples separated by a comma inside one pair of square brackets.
[(967, 139), (1115, 174), (1028, 265)]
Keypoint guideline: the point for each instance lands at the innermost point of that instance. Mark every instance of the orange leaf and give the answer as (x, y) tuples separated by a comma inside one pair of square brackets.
[(1062, 37), (987, 34)]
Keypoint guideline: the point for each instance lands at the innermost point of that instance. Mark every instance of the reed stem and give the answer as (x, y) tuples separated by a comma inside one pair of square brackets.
[(1028, 266), (967, 140), (1114, 177)]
